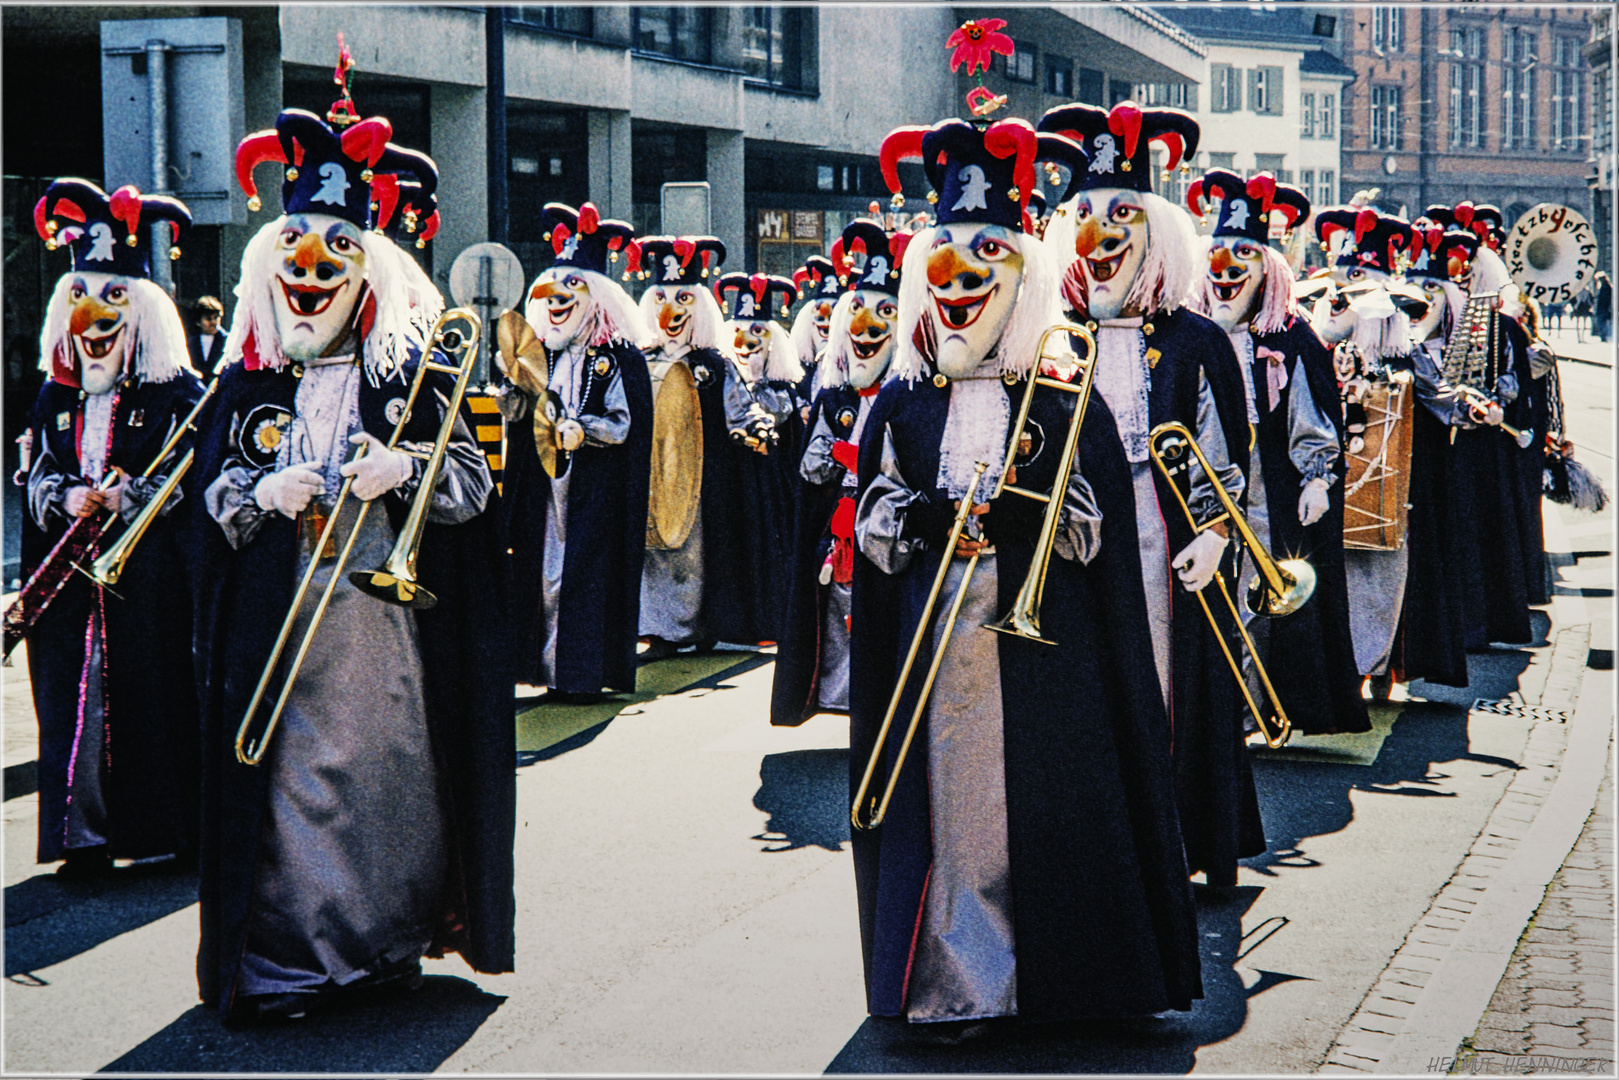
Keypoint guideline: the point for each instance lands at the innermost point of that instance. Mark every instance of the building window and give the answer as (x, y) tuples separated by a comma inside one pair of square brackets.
[(1568, 95), (1222, 161), (1271, 163), (1518, 89), (681, 33), (580, 21), (1060, 76), (1386, 120), (1329, 116), (1327, 194), (1090, 87), (1020, 65), (1307, 183), (1174, 95), (1226, 89), (1388, 29), (1265, 91), (778, 45), (1306, 116)]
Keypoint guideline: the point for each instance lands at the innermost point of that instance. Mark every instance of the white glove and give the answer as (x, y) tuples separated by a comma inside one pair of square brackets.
[(379, 470), (1197, 561), (1525, 437), (570, 435), (290, 490), (82, 501), (1312, 501)]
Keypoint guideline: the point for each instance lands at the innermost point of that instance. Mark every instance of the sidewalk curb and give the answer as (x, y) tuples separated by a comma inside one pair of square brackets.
[(1440, 982)]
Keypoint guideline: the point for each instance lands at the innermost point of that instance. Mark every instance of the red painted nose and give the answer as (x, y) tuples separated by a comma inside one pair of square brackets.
[(1089, 235), (1219, 259)]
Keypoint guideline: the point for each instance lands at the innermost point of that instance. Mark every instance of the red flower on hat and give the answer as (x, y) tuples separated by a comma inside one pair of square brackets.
[(974, 41)]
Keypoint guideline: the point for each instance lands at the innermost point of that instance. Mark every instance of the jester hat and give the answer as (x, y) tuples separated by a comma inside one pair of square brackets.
[(582, 238), (884, 252), (107, 233), (675, 260), (751, 295), (978, 174), (1370, 240), (1118, 142), (1243, 207)]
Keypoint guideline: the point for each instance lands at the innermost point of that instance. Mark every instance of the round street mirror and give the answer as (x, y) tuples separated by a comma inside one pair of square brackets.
[(488, 279)]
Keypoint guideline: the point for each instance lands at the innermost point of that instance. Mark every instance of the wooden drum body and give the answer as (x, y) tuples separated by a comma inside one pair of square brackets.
[(1377, 482)]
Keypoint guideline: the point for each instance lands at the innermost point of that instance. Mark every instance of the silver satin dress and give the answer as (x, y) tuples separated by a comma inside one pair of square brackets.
[(352, 861)]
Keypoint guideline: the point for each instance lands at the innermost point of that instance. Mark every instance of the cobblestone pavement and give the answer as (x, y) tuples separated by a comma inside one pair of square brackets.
[(1556, 998)]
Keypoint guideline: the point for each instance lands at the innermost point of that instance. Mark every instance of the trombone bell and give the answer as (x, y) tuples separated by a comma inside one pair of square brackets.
[(1297, 576)]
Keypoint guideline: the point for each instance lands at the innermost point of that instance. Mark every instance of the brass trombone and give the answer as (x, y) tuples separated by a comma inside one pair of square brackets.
[(1023, 620), (1280, 588), (455, 332)]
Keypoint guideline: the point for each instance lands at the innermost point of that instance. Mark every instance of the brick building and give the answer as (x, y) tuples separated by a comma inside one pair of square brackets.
[(1465, 101)]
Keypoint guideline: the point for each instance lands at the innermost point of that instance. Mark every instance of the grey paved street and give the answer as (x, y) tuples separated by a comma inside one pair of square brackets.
[(686, 902)]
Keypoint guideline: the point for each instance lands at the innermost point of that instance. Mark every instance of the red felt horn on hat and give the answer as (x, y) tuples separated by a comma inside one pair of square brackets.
[(253, 151), (899, 145)]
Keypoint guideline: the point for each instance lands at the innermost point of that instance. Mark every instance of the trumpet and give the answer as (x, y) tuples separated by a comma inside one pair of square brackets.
[(1023, 620), (1281, 587), (455, 332)]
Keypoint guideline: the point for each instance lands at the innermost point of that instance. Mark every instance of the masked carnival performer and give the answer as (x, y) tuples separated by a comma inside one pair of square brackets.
[(812, 663), (378, 828), (1490, 365), (578, 405), (1295, 468), (1131, 261), (110, 666), (817, 284), (701, 546), (1037, 804), (764, 353), (1404, 600)]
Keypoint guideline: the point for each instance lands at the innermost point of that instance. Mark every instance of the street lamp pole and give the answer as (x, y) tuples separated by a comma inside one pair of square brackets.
[(494, 23)]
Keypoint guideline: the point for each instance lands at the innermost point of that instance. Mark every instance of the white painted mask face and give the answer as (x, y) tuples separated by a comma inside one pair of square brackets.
[(677, 305), (1236, 277), (1434, 318), (974, 273), (557, 305), (1333, 318), (821, 319), (319, 279), (98, 327), (751, 341), (1110, 242), (871, 336)]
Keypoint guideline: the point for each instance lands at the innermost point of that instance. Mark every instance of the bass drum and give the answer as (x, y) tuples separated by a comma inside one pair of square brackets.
[(1378, 480), (1551, 254)]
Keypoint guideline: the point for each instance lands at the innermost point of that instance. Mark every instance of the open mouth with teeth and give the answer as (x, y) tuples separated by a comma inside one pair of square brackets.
[(310, 299), (98, 348), (866, 348), (672, 321), (962, 313), (1226, 291), (1103, 269)]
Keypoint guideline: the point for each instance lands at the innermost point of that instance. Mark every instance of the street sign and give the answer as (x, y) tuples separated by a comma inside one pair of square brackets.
[(685, 209), (488, 279)]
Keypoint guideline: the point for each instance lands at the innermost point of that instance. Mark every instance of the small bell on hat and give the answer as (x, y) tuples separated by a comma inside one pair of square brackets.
[(1117, 142), (980, 175), (78, 214), (884, 253), (821, 277), (1367, 239)]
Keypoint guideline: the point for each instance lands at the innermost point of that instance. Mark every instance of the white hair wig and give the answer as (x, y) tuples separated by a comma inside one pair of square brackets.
[(157, 338), (838, 354), (780, 362), (1276, 303), (804, 343), (1383, 339), (1170, 271), (1037, 307), (707, 321), (396, 331)]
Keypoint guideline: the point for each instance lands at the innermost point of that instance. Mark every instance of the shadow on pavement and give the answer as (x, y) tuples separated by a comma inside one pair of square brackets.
[(1095, 1046), (49, 920), (805, 792), (402, 1032)]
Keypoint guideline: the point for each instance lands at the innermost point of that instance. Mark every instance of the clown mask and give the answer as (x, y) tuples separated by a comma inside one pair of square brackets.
[(676, 307), (1110, 242), (98, 328), (821, 319), (1236, 278), (873, 316), (1433, 320), (1335, 313), (752, 343), (974, 272), (557, 306), (318, 281)]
